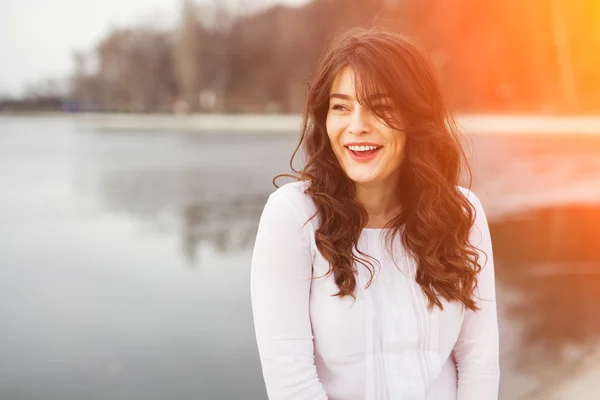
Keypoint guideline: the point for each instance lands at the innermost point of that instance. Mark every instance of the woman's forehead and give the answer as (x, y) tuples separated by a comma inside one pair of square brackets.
[(344, 81), (352, 87), (346, 85)]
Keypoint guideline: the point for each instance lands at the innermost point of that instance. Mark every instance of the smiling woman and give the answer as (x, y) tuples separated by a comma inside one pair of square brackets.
[(350, 121), (373, 276)]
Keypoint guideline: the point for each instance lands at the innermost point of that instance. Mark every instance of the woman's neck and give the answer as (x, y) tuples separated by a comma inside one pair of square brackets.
[(381, 202)]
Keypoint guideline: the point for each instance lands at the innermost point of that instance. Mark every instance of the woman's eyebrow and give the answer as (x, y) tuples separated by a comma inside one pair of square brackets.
[(341, 96), (376, 96), (380, 96)]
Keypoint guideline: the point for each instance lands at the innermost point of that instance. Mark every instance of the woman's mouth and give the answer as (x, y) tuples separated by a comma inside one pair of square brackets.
[(363, 153)]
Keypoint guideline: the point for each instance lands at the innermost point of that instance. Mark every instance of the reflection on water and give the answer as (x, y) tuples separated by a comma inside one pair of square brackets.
[(124, 259), (564, 235), (551, 258), (224, 219), (226, 225), (512, 173)]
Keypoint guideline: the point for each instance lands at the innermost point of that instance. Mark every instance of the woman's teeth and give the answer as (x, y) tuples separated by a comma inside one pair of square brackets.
[(363, 148)]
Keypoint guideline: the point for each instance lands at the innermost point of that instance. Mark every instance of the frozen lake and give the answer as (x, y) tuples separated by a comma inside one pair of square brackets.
[(124, 259)]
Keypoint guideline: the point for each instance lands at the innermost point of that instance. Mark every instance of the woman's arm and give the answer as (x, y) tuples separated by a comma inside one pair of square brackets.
[(280, 286), (477, 348)]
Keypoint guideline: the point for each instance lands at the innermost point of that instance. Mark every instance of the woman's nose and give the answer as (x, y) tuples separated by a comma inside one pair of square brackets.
[(359, 122)]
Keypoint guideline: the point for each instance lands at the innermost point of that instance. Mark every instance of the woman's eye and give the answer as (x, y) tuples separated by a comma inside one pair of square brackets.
[(384, 108), (339, 107)]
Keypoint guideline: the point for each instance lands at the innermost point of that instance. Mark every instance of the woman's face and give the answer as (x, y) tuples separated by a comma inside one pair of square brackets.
[(368, 150)]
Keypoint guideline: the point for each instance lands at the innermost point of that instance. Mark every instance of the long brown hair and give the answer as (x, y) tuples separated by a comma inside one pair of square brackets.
[(435, 218)]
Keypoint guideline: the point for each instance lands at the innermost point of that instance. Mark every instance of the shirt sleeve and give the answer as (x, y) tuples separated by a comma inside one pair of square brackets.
[(477, 349), (280, 286)]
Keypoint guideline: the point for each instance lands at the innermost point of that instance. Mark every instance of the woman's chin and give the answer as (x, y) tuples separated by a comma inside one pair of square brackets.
[(362, 178)]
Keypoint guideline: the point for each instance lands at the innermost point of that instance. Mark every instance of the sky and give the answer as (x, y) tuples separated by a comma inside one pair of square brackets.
[(38, 37)]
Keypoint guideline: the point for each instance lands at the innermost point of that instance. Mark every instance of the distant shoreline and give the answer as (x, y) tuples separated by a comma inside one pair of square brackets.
[(282, 123)]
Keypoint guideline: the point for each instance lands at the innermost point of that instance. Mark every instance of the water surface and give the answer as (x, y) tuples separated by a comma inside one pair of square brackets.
[(124, 259)]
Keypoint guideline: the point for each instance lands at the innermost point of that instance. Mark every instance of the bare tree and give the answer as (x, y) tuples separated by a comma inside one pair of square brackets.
[(492, 56), (191, 39), (134, 72)]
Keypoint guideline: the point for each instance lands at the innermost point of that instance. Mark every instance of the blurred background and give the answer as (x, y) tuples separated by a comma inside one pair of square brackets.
[(138, 140)]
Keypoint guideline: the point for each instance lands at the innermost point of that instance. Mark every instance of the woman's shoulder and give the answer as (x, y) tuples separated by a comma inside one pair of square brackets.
[(472, 197), (293, 193), (293, 190), (480, 221)]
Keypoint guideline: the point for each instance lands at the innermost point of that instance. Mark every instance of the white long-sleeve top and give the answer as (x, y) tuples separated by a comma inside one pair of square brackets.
[(386, 345)]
